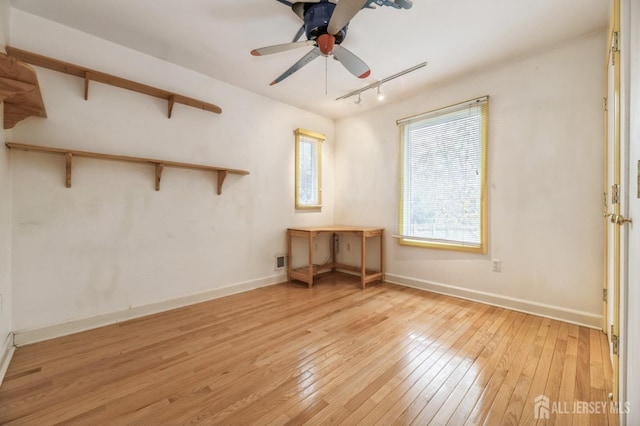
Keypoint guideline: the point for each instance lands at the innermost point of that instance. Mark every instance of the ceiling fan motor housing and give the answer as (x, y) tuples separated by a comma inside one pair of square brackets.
[(316, 20), (325, 25)]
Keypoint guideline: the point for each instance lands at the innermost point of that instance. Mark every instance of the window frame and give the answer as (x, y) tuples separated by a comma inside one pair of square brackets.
[(300, 136), (415, 241)]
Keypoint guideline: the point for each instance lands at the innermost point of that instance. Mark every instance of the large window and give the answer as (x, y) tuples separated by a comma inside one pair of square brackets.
[(443, 188), (308, 169)]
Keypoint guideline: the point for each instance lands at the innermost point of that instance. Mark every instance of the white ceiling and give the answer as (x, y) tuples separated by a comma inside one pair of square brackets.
[(214, 37)]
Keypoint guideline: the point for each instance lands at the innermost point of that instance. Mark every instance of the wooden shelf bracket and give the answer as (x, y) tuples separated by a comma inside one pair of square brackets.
[(89, 74), (159, 170), (171, 100), (222, 172), (222, 175), (86, 85), (69, 165)]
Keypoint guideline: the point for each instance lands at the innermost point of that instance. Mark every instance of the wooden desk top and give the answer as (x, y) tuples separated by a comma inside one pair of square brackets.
[(337, 228)]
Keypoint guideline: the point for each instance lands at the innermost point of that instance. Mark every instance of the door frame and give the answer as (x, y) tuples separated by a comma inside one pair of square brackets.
[(613, 197)]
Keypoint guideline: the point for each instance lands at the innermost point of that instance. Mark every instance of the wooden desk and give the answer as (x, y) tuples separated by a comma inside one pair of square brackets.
[(306, 273)]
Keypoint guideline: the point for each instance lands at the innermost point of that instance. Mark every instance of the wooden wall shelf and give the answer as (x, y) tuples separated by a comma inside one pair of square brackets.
[(89, 74), (20, 92), (159, 165)]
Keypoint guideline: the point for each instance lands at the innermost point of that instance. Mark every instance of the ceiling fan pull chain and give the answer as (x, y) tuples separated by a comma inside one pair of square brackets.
[(326, 75)]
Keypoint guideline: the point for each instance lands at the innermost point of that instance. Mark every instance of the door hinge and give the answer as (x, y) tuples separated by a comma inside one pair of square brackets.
[(604, 294), (614, 343), (604, 104), (615, 47), (615, 194)]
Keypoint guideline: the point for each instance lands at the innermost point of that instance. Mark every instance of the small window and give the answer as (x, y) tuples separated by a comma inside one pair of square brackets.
[(443, 189), (308, 169)]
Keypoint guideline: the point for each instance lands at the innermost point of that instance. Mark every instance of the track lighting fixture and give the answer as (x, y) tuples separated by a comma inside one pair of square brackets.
[(378, 84)]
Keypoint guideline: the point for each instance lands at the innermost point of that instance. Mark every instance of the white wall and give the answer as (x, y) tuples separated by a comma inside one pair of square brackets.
[(111, 242), (545, 184), (5, 207)]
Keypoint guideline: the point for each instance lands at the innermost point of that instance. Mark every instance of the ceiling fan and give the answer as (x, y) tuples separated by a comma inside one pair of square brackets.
[(325, 24)]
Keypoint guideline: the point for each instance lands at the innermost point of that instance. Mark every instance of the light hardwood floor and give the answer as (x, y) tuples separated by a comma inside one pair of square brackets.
[(333, 354)]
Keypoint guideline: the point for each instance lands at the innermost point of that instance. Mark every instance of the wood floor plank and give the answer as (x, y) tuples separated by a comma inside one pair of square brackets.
[(486, 389), (499, 389), (417, 339), (423, 408), (219, 350), (540, 376), (504, 360), (433, 411), (492, 356), (258, 395), (332, 354), (411, 392), (427, 343), (597, 385), (583, 388), (369, 347), (518, 399), (554, 379)]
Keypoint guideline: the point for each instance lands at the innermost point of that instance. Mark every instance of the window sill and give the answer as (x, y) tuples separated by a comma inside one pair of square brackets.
[(479, 249)]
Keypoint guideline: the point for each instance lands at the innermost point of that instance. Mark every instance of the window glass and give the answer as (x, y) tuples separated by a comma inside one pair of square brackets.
[(308, 169), (443, 177)]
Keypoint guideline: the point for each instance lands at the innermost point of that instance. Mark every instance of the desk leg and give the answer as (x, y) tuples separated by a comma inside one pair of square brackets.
[(289, 255), (310, 270), (382, 256), (332, 247), (363, 257)]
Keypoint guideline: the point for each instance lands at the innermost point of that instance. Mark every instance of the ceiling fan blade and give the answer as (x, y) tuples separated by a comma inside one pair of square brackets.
[(351, 62), (314, 53), (299, 33), (288, 3), (268, 50), (343, 13)]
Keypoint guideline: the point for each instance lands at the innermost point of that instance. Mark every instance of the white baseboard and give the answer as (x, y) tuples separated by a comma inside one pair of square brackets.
[(6, 353), (25, 337), (586, 319)]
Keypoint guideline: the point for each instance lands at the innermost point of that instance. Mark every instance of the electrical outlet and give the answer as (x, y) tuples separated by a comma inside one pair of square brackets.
[(497, 265)]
